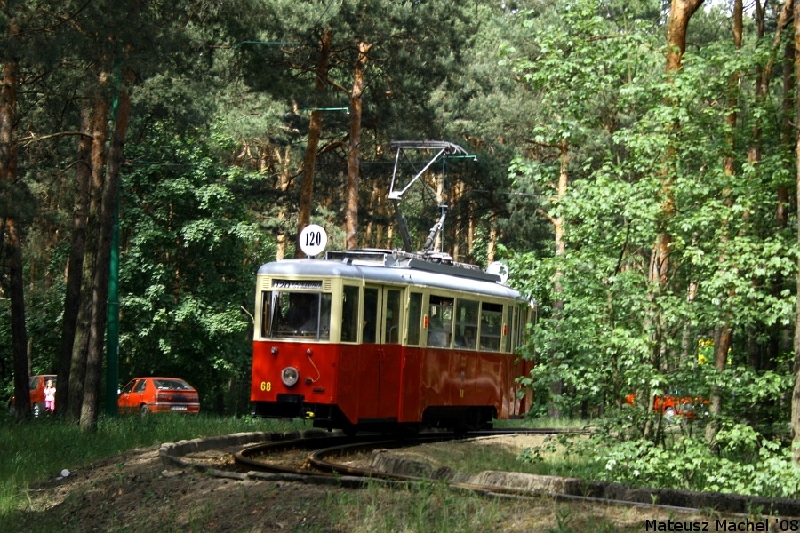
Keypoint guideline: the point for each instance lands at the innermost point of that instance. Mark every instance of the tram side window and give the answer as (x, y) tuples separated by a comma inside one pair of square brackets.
[(392, 335), (370, 315), (509, 332), (522, 313), (349, 314), (440, 321), (322, 321), (414, 318), (491, 322), (466, 323)]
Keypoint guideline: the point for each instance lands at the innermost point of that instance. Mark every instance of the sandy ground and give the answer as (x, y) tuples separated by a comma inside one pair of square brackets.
[(139, 491)]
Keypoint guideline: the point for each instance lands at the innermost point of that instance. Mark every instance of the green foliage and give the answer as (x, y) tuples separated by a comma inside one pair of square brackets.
[(187, 268), (652, 140), (747, 465)]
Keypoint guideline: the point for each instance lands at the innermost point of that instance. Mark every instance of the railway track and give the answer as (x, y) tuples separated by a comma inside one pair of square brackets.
[(322, 452), (321, 458)]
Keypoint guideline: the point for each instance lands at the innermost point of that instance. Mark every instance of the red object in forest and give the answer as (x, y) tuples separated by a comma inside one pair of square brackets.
[(158, 394)]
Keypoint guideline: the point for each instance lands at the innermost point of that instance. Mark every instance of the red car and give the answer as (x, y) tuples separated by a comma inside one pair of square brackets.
[(676, 404), (36, 385), (157, 394)]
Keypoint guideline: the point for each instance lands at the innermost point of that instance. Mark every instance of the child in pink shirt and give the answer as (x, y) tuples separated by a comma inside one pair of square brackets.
[(49, 396)]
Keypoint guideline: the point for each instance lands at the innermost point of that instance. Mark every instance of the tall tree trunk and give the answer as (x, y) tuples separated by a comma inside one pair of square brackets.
[(491, 246), (796, 393), (80, 348), (789, 88), (285, 179), (354, 147), (680, 13), (557, 386), (723, 335), (94, 360), (19, 333), (83, 178), (8, 176), (314, 134)]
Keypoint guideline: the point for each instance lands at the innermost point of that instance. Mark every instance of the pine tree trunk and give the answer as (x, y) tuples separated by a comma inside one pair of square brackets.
[(680, 13), (314, 134), (285, 180), (354, 147), (8, 175), (796, 393), (557, 386), (94, 360), (723, 338), (80, 348), (83, 177)]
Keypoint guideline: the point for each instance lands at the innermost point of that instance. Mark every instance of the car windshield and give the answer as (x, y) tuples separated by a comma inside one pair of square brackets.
[(172, 384)]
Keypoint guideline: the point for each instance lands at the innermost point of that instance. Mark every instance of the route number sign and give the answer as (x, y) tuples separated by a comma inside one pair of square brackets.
[(499, 269), (313, 240)]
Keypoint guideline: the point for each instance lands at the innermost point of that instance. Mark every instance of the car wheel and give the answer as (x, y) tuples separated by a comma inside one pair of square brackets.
[(37, 410), (144, 411)]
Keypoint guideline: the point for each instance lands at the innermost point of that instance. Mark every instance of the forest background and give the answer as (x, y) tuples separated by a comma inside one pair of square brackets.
[(635, 166)]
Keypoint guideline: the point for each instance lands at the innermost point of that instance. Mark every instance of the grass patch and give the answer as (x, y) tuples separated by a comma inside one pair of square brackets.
[(544, 455), (534, 423), (40, 449), (430, 507)]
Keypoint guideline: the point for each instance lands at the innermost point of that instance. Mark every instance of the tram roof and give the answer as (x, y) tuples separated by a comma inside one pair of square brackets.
[(394, 267)]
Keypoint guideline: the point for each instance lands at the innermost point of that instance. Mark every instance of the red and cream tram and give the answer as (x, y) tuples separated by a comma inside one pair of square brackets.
[(373, 339)]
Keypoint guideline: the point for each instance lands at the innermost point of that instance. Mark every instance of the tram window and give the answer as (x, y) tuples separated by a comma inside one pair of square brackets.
[(349, 314), (299, 307), (440, 321), (414, 317), (321, 322), (508, 333), (392, 322), (298, 314), (370, 314), (491, 322), (265, 312), (522, 313), (466, 323)]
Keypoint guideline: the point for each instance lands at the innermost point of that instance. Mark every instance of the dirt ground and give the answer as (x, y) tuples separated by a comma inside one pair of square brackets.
[(138, 491)]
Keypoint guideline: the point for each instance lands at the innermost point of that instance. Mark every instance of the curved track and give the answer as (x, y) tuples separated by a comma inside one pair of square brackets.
[(315, 457), (318, 459)]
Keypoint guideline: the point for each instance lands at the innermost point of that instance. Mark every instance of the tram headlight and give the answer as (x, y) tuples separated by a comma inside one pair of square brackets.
[(290, 376)]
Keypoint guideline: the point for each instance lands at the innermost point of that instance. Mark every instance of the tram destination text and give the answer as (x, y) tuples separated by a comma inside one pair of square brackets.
[(304, 285)]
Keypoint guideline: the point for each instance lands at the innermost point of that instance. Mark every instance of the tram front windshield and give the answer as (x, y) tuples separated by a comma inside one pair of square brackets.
[(296, 314)]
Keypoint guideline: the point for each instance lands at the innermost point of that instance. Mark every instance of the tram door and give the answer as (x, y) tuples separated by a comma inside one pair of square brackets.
[(381, 356)]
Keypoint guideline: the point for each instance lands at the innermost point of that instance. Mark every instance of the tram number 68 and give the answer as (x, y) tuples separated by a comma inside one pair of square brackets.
[(266, 386)]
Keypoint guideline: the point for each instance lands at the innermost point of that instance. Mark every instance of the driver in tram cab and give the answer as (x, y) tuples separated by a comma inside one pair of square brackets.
[(438, 335), (301, 310)]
